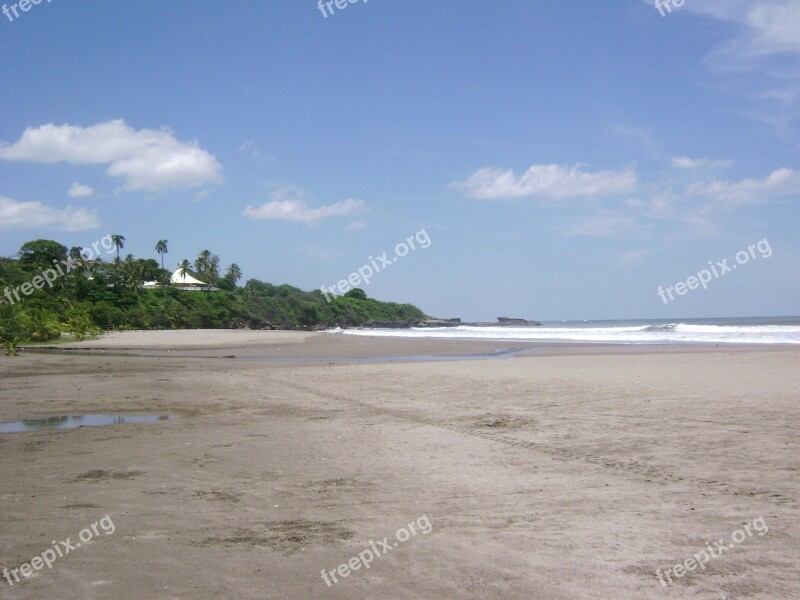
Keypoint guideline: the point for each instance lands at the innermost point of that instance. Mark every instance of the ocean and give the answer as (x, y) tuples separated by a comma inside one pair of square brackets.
[(751, 330)]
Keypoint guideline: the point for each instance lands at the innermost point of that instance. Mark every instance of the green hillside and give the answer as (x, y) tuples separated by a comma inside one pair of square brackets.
[(48, 290)]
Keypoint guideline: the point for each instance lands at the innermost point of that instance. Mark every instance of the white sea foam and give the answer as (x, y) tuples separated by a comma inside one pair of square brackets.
[(672, 333)]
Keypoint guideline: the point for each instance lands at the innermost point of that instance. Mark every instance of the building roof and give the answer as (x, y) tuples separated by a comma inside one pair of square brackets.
[(185, 279)]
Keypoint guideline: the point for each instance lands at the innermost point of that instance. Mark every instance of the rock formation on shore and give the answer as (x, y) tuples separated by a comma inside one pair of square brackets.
[(455, 322)]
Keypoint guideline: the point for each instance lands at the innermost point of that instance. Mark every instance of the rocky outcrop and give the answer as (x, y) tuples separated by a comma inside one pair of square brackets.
[(501, 322), (440, 323), (508, 321), (391, 324)]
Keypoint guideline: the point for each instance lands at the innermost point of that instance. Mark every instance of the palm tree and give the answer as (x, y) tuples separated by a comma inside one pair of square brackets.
[(201, 263), (77, 258), (183, 267), (213, 264), (119, 242), (161, 248), (136, 271), (234, 273), (213, 269)]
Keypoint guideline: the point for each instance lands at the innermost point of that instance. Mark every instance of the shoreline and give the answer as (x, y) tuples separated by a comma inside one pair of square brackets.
[(314, 346)]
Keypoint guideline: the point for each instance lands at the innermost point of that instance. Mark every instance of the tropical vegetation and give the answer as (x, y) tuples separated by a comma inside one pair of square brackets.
[(97, 295)]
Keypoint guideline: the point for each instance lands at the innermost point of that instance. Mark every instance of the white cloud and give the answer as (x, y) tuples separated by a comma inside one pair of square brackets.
[(318, 254), (79, 190), (695, 201), (767, 27), (200, 195), (289, 192), (699, 204), (548, 182), (34, 215), (781, 182), (776, 26), (251, 148), (146, 159), (762, 55), (357, 225), (298, 210), (684, 162), (599, 226), (642, 139), (660, 206), (247, 145), (633, 256)]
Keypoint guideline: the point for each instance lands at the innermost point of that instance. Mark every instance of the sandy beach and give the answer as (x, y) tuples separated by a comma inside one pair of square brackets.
[(545, 472)]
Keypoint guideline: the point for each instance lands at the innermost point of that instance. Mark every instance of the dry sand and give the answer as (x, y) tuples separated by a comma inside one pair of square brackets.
[(572, 473)]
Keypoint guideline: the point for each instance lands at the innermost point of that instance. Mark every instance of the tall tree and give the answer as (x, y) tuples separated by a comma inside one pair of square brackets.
[(234, 273), (213, 270), (119, 242), (201, 262), (38, 255), (161, 248), (76, 255), (183, 267)]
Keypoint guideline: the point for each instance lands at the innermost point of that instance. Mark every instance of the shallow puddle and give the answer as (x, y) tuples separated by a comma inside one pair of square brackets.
[(78, 421)]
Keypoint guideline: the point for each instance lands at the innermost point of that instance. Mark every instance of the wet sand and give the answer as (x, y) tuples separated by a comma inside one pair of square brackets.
[(556, 472)]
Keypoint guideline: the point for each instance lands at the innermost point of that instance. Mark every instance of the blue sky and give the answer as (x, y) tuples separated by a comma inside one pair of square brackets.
[(565, 158)]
